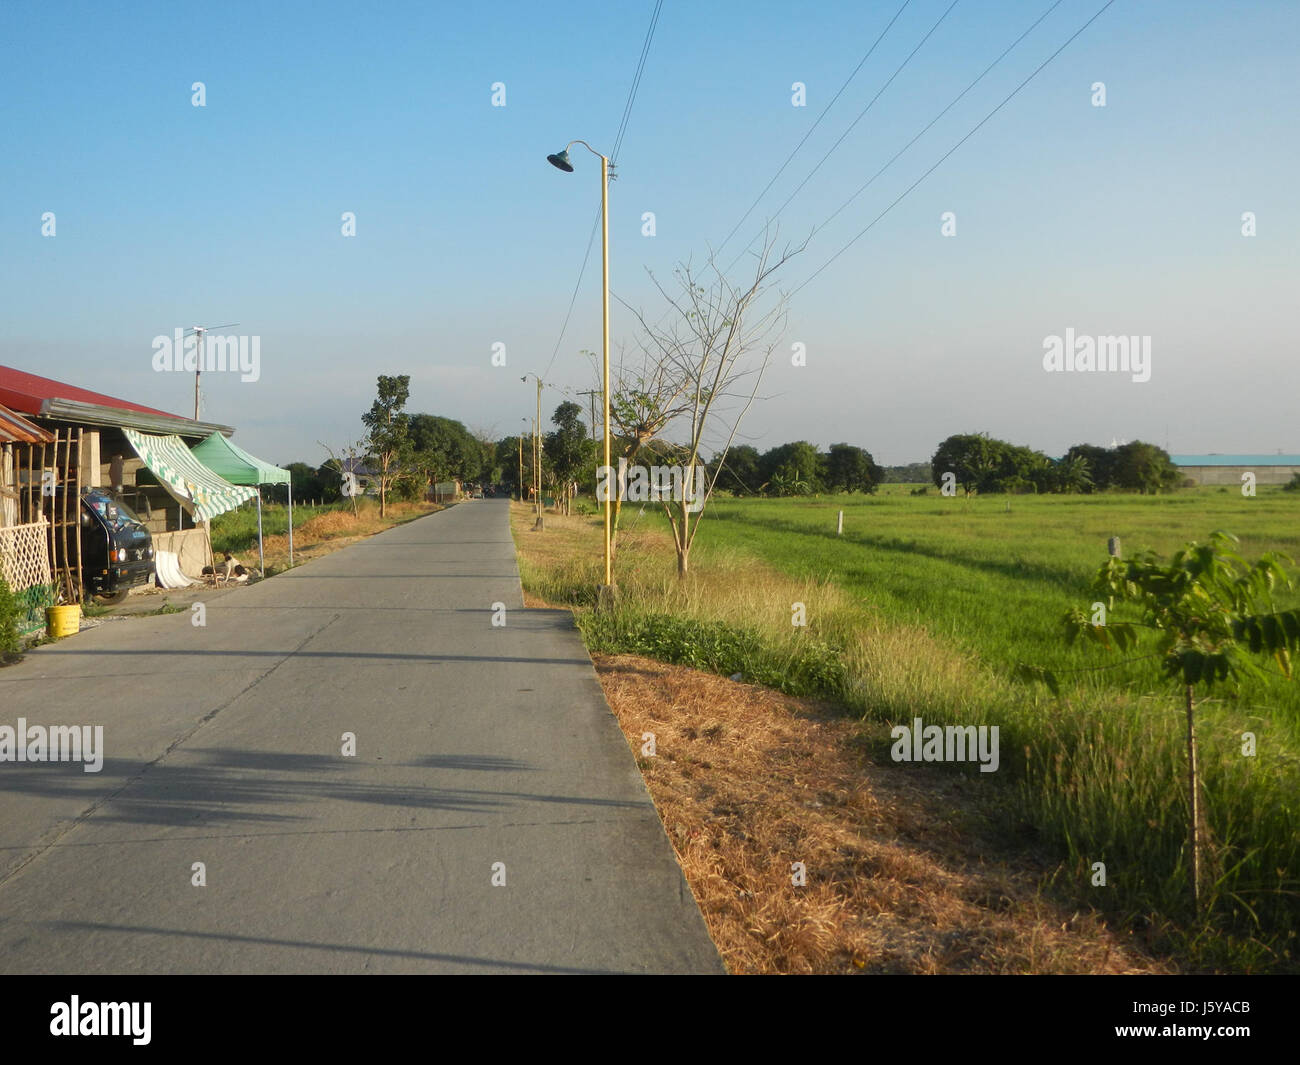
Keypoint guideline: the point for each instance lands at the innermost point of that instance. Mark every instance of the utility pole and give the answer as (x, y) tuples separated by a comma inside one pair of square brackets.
[(539, 454), (198, 366), (537, 450), (593, 393), (520, 439)]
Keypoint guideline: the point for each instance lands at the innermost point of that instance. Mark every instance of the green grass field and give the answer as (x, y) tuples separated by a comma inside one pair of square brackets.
[(930, 603), (234, 530), (993, 575)]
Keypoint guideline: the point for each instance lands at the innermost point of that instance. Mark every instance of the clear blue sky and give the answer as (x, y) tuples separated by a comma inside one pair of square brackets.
[(1116, 220)]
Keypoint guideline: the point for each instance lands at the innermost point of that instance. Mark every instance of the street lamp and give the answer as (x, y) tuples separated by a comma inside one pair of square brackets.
[(560, 160), (537, 448), (521, 461)]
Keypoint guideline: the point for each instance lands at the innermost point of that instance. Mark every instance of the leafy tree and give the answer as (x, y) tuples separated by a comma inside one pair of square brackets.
[(908, 474), (1145, 468), (981, 463), (851, 469), (1074, 474), (389, 441), (507, 461), (788, 466), (1101, 465), (309, 482), (739, 472), (1021, 469), (570, 451), (1212, 615), (443, 449), (972, 459)]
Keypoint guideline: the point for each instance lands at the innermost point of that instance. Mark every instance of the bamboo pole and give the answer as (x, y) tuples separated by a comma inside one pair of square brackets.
[(25, 488), (62, 475), (65, 477), (56, 501), (76, 510), (54, 547)]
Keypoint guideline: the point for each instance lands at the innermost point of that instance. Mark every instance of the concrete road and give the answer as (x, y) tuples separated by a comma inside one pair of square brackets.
[(482, 753)]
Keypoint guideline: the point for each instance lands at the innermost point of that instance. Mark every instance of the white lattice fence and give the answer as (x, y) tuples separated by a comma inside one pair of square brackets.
[(25, 566)]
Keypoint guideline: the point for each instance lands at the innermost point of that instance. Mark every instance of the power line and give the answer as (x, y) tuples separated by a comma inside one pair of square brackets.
[(577, 285), (861, 115), (950, 151), (636, 81), (940, 115), (781, 170), (618, 143)]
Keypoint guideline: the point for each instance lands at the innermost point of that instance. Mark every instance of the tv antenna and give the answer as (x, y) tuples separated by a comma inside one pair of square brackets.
[(198, 331)]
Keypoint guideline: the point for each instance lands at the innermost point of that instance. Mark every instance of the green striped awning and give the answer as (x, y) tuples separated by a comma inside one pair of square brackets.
[(200, 491)]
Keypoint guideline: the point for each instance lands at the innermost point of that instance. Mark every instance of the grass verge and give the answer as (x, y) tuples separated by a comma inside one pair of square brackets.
[(1097, 775), (899, 872)]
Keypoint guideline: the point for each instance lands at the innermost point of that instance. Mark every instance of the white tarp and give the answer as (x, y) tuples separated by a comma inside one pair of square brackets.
[(167, 565)]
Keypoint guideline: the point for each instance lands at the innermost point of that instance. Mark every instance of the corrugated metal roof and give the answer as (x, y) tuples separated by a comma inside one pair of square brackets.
[(17, 430), (25, 392), (1235, 460), (78, 413)]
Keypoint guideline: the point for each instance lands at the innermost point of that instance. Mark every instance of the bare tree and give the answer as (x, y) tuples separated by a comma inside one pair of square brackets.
[(345, 465), (703, 367), (646, 393)]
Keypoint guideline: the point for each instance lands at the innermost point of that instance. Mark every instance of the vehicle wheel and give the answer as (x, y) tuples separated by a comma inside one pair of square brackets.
[(114, 599)]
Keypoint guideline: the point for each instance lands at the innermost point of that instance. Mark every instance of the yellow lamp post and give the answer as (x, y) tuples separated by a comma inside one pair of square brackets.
[(561, 161), (537, 448)]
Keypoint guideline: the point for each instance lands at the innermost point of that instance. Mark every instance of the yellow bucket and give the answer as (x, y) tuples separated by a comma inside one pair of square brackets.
[(63, 621)]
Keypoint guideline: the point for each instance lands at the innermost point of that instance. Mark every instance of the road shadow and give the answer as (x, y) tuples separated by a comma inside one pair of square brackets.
[(241, 788)]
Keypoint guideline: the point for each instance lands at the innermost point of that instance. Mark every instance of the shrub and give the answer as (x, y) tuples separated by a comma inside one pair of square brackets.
[(10, 611), (809, 668)]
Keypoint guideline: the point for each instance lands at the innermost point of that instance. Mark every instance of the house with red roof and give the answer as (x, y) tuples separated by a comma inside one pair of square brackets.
[(84, 444), (95, 422)]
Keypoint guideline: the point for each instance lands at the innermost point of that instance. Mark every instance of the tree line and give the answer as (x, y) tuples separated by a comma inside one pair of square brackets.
[(426, 449), (977, 462)]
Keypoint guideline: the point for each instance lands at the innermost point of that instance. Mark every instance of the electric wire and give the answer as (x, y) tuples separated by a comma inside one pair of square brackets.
[(861, 115), (618, 144), (975, 129), (812, 128)]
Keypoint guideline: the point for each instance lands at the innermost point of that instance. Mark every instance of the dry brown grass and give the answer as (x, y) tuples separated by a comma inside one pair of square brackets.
[(335, 529), (903, 876), (904, 873)]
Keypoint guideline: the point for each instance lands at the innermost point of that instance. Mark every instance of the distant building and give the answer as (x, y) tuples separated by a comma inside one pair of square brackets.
[(366, 478), (1227, 469)]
